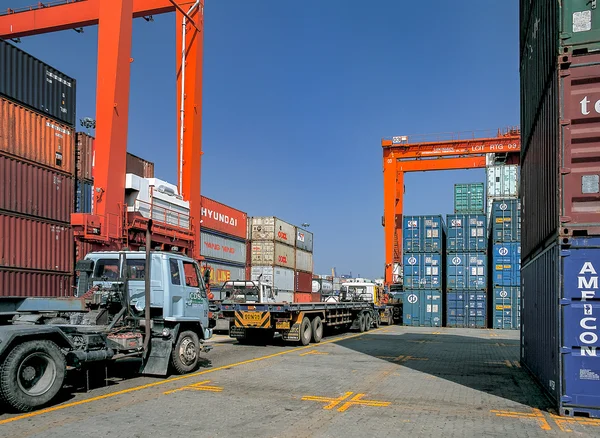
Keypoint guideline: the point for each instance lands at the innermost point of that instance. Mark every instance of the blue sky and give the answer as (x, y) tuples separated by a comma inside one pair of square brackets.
[(297, 96)]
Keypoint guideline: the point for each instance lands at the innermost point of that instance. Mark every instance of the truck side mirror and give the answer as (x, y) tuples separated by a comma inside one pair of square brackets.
[(207, 277)]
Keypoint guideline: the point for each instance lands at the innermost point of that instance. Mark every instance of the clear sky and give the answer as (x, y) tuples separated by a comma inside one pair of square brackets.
[(297, 96)]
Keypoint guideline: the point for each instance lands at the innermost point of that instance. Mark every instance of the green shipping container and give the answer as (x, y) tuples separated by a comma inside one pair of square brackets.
[(549, 29), (469, 198)]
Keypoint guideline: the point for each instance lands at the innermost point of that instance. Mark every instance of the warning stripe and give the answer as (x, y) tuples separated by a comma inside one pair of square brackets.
[(264, 322)]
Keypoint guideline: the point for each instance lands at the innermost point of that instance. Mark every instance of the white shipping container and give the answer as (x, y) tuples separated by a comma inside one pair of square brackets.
[(272, 228), (282, 280), (502, 181), (272, 253), (218, 247), (304, 261)]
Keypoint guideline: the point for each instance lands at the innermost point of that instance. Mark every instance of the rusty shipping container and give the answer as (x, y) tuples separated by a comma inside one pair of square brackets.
[(36, 138), (223, 218), (272, 228), (35, 84), (84, 155), (272, 253), (303, 282), (560, 179), (35, 244), (35, 191), (21, 283), (140, 167)]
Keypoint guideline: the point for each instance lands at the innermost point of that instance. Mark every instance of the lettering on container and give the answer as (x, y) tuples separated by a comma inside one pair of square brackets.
[(219, 217), (282, 259), (218, 247), (587, 284), (51, 76), (585, 106), (282, 235)]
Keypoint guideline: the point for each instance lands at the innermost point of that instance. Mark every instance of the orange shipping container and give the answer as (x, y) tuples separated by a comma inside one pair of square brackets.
[(222, 218), (35, 137), (35, 244), (302, 297)]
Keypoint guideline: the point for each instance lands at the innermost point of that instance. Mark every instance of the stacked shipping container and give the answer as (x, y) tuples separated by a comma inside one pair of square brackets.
[(37, 176), (560, 193), (423, 242)]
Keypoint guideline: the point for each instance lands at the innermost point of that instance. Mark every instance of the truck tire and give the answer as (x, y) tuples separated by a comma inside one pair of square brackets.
[(317, 329), (377, 320), (361, 322), (368, 322), (32, 375), (305, 331), (186, 352)]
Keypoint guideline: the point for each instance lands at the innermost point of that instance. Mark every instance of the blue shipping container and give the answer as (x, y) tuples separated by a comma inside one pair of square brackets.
[(423, 271), (560, 334), (422, 308), (506, 220), (506, 307), (506, 264), (466, 270), (423, 234), (466, 232), (83, 200), (466, 309)]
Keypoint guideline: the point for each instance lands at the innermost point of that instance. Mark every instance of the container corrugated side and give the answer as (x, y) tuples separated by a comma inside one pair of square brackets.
[(422, 308), (506, 307), (273, 253), (22, 283), (84, 155), (506, 220), (35, 244), (506, 264), (559, 330), (469, 198), (220, 273), (303, 297), (423, 234), (466, 309), (84, 197), (466, 271), (466, 232), (502, 181), (303, 282), (304, 240), (35, 191), (423, 271), (223, 218), (34, 83), (304, 261), (139, 166), (272, 228), (36, 138), (282, 279), (219, 247)]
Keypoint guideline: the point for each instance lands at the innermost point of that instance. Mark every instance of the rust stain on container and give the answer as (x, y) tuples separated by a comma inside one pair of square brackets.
[(35, 244), (140, 167), (37, 138), (19, 283), (304, 282), (84, 155), (34, 190)]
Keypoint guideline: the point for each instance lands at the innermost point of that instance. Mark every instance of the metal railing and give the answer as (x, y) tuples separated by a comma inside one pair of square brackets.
[(162, 214), (455, 136), (39, 5)]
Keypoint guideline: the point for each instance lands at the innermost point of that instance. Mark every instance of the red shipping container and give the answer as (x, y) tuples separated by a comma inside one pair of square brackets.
[(84, 155), (302, 297), (35, 137), (35, 284), (303, 282), (138, 166), (224, 219), (316, 297), (35, 244), (29, 189)]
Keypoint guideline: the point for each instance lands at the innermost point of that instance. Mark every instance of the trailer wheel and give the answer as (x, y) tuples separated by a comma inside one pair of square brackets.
[(317, 329), (361, 322), (305, 331), (32, 375), (368, 322), (377, 321), (185, 354)]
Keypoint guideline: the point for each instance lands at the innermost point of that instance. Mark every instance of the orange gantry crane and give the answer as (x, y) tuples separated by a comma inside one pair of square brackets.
[(114, 19), (431, 152)]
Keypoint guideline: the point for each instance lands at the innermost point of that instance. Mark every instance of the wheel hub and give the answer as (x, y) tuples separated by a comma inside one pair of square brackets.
[(187, 351), (36, 374), (28, 373)]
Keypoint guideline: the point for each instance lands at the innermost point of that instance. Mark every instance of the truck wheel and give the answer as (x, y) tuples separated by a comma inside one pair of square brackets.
[(368, 322), (361, 322), (32, 375), (317, 329), (185, 354), (376, 321), (305, 331)]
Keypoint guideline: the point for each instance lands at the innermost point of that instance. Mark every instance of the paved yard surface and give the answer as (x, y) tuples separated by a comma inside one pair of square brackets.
[(394, 381)]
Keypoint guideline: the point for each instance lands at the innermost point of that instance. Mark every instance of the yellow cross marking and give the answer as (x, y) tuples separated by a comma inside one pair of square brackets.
[(313, 352), (356, 401), (500, 344), (514, 363), (200, 386), (493, 335), (436, 333), (401, 359), (535, 414), (563, 422)]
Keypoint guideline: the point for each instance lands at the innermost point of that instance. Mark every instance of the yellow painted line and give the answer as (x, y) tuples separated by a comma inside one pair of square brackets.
[(508, 363), (313, 352), (535, 414), (174, 379), (354, 401), (331, 402), (201, 386)]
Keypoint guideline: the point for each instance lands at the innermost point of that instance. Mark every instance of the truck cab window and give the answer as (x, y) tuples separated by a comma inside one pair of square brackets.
[(136, 269), (191, 275), (106, 268), (174, 266)]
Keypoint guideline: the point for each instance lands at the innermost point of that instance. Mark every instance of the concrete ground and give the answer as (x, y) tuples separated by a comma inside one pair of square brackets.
[(394, 381)]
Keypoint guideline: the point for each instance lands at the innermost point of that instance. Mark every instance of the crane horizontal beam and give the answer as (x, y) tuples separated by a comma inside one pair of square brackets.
[(452, 147), (72, 14), (441, 164)]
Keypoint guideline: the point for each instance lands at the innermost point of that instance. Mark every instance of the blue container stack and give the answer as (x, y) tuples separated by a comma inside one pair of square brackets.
[(466, 270), (505, 269), (423, 242)]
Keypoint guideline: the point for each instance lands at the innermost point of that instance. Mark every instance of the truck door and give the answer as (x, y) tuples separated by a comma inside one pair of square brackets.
[(195, 293)]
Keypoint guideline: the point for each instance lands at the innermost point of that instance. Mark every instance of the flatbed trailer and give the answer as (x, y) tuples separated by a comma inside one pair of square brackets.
[(297, 322)]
